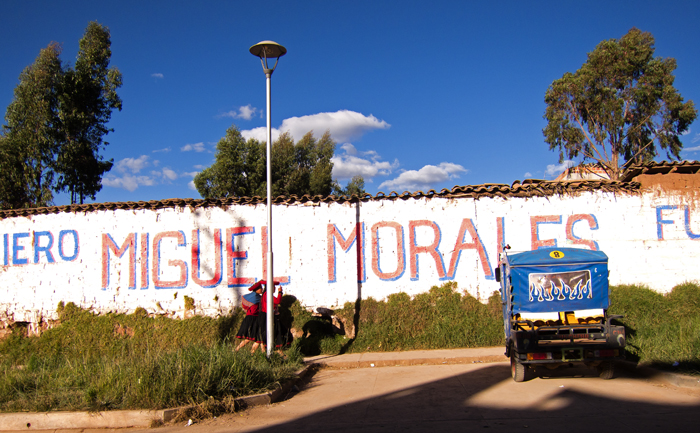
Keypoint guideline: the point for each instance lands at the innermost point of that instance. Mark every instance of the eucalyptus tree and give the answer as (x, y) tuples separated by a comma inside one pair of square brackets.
[(619, 108), (55, 124), (356, 186), (239, 169), (32, 134), (88, 98)]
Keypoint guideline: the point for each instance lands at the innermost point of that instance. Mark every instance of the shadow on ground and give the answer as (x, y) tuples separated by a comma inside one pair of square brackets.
[(449, 405)]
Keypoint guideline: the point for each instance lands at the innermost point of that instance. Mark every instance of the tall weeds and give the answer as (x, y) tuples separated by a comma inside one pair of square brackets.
[(442, 318), (117, 361), (130, 361), (663, 331)]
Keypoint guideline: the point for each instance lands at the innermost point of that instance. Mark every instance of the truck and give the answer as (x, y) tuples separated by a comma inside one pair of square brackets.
[(555, 303)]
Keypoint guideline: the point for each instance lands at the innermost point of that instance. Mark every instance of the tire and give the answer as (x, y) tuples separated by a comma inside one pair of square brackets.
[(606, 370), (518, 370)]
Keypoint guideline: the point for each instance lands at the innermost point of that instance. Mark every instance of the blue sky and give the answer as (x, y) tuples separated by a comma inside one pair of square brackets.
[(418, 95)]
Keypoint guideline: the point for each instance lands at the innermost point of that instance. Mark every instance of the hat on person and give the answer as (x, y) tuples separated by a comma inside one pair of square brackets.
[(256, 286)]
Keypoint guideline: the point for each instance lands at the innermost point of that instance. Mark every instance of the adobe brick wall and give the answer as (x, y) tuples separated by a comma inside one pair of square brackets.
[(327, 252)]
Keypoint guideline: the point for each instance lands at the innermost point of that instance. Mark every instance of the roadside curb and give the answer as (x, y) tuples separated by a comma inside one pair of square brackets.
[(342, 365), (666, 377), (248, 400), (27, 421), (408, 358), (391, 359)]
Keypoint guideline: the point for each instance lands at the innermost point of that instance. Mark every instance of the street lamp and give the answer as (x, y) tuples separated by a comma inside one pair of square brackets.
[(269, 50)]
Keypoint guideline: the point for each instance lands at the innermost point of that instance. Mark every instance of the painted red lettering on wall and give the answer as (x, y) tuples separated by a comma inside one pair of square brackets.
[(535, 222), (356, 238), (143, 248), (180, 264), (500, 235), (232, 255), (592, 224), (432, 249), (281, 280), (108, 245), (216, 278), (475, 244), (400, 252)]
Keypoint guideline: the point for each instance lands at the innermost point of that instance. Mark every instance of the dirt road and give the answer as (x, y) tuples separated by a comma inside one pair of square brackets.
[(467, 397)]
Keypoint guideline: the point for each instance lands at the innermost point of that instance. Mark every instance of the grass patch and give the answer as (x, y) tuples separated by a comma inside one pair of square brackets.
[(442, 318), (118, 361), (663, 331)]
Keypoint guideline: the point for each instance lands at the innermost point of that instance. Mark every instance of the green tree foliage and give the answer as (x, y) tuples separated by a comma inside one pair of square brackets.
[(31, 137), (55, 124), (304, 167), (240, 170), (619, 107), (356, 186), (87, 101)]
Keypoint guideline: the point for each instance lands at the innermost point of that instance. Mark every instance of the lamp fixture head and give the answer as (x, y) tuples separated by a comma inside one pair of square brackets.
[(268, 50)]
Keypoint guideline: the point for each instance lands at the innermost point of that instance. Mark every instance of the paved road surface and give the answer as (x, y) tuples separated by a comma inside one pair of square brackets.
[(467, 397)]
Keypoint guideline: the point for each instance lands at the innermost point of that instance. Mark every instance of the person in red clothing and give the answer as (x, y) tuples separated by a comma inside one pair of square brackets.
[(262, 318), (248, 330)]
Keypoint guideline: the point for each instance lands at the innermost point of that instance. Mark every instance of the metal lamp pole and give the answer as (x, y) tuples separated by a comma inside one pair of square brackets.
[(269, 50)]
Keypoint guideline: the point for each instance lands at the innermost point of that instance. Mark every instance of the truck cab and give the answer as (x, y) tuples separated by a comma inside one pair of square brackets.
[(555, 303)]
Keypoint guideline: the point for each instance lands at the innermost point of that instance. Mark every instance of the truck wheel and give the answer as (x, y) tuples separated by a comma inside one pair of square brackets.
[(517, 369), (606, 369)]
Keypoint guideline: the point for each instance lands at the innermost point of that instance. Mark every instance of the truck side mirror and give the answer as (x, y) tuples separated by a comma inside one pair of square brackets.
[(497, 272)]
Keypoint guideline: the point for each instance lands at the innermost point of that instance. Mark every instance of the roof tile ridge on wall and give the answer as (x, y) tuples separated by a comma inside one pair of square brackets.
[(528, 188)]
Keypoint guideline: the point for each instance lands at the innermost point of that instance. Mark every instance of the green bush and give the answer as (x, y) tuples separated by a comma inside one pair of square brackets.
[(118, 361), (439, 319), (662, 331)]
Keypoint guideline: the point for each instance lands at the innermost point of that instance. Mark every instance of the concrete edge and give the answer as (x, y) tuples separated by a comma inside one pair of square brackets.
[(28, 421), (71, 420), (342, 365), (249, 400), (666, 377), (669, 378)]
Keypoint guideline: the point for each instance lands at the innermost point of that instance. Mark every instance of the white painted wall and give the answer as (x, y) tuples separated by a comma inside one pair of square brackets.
[(406, 245)]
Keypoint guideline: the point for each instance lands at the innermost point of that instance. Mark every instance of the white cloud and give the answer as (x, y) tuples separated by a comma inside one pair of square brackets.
[(165, 149), (366, 164), (527, 175), (349, 149), (197, 147), (695, 139), (133, 165), (191, 185), (200, 167), (157, 75), (245, 112), (130, 181), (344, 125), (127, 182), (692, 149), (169, 174), (554, 170), (425, 178), (260, 133)]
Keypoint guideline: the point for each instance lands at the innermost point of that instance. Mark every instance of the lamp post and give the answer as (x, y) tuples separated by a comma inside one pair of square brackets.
[(269, 50)]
